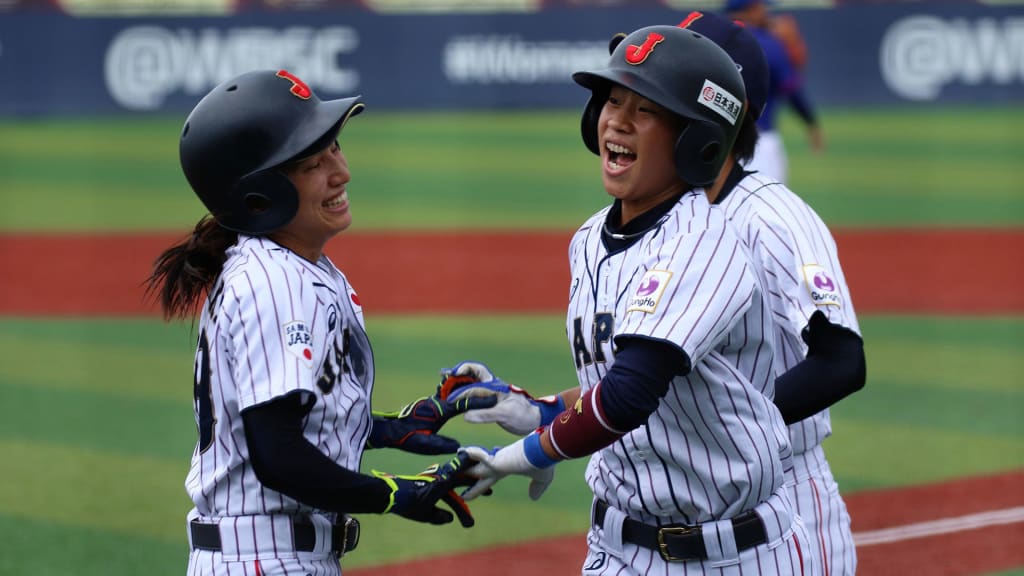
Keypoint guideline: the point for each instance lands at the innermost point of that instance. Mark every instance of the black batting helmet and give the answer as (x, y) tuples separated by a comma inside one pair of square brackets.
[(244, 129), (686, 73)]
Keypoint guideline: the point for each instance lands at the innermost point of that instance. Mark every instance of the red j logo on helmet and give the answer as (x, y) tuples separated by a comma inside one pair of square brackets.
[(637, 54), (299, 87)]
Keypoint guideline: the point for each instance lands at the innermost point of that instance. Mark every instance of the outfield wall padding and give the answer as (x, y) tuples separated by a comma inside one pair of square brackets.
[(868, 54)]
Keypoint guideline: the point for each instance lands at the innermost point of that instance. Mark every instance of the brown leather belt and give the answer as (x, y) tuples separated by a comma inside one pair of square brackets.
[(680, 543), (344, 535)]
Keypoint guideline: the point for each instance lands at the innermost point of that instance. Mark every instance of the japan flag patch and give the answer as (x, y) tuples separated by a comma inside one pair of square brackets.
[(649, 291), (298, 340), (822, 286)]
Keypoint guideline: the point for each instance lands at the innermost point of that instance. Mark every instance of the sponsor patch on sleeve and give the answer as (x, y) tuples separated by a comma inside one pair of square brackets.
[(649, 292), (721, 101), (298, 340), (822, 286)]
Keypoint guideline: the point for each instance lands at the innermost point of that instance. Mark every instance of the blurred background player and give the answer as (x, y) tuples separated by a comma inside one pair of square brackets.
[(786, 54), (283, 367)]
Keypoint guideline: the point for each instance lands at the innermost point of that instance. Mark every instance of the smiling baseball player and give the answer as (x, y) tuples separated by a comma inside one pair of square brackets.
[(670, 336), (284, 370)]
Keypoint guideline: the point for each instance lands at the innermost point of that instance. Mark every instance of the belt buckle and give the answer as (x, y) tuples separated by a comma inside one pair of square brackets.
[(674, 531), (349, 535)]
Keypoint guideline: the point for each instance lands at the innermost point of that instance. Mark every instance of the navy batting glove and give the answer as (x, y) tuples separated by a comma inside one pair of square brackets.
[(416, 497), (414, 428)]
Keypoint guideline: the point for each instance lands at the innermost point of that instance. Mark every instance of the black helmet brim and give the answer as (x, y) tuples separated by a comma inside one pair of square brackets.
[(601, 81), (318, 132)]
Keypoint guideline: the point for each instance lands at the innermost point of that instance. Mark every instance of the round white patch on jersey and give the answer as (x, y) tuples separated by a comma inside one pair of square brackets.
[(299, 341), (823, 288)]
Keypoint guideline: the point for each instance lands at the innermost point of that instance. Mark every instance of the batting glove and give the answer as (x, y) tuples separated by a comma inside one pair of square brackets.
[(414, 427), (524, 457), (516, 411), (416, 497)]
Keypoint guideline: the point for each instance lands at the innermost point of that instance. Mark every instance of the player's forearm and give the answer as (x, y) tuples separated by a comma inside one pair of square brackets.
[(834, 368), (569, 397), (621, 402), (283, 460)]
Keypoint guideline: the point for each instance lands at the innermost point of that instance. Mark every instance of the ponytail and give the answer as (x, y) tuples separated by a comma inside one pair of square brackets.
[(184, 274)]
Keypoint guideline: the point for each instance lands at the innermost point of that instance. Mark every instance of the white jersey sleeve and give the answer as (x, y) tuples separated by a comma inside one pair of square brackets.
[(794, 251), (273, 341), (693, 289), (796, 257)]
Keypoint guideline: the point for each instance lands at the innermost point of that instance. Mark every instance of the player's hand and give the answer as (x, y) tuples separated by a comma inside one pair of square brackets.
[(493, 465), (822, 336), (516, 410), (414, 427), (416, 497), (816, 139)]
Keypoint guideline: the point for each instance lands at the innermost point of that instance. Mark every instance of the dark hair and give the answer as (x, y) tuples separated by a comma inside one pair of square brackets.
[(184, 274), (746, 140)]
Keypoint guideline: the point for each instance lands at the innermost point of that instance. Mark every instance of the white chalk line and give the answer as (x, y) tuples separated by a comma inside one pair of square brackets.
[(942, 526)]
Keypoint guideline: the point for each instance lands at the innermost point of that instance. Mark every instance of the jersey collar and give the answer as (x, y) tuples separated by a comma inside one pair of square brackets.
[(625, 236)]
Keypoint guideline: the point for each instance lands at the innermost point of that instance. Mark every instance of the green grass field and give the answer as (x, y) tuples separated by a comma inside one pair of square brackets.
[(96, 429), (96, 425), (957, 167)]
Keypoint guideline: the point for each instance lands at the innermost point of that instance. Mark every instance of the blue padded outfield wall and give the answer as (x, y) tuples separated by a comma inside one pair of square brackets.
[(870, 54)]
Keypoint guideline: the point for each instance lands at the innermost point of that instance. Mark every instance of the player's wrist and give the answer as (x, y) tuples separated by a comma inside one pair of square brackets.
[(550, 407), (535, 454)]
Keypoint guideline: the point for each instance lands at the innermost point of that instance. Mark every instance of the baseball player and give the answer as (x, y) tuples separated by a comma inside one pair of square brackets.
[(283, 366), (785, 86), (795, 257), (670, 335)]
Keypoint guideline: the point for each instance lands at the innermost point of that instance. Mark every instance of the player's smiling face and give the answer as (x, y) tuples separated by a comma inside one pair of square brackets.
[(323, 210), (637, 139)]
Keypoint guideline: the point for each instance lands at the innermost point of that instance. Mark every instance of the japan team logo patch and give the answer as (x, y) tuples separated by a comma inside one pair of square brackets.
[(720, 101), (821, 285), (649, 292), (299, 341)]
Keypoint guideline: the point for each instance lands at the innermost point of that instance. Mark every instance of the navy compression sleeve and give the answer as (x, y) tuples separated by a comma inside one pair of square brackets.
[(643, 369), (285, 461), (833, 369), (624, 399)]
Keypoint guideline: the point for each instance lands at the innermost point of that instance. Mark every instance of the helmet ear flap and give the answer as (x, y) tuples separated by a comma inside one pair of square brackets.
[(700, 152), (615, 40), (260, 203), (588, 124)]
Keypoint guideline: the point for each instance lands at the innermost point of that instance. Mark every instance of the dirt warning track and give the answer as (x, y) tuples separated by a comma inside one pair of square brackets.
[(890, 271)]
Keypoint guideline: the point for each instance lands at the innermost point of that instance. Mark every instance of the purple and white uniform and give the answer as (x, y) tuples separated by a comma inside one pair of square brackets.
[(795, 256), (716, 446), (274, 324)]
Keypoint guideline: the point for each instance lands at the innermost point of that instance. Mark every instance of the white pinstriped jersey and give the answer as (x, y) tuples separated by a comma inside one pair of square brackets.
[(796, 258), (716, 443), (275, 324)]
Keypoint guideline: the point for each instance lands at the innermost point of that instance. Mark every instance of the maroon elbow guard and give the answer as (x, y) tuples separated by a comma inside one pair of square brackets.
[(582, 428)]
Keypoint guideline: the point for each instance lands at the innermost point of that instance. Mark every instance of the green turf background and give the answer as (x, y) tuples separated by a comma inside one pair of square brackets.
[(96, 425), (908, 167)]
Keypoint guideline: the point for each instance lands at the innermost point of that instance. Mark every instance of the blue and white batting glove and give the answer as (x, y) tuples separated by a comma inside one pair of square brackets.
[(525, 457), (517, 411)]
